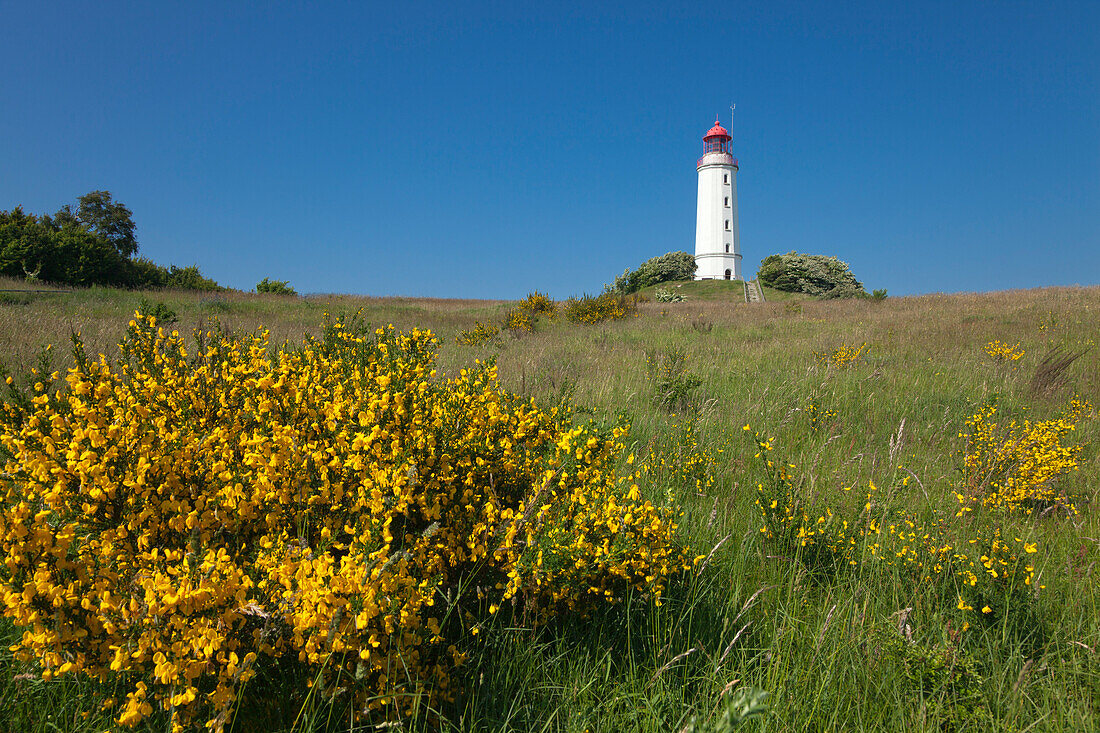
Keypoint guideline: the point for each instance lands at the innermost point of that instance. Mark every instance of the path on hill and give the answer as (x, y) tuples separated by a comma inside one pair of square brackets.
[(753, 292)]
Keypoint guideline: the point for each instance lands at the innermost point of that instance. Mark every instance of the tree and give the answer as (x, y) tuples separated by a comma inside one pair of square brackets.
[(668, 267), (92, 247), (56, 250), (109, 219), (819, 275)]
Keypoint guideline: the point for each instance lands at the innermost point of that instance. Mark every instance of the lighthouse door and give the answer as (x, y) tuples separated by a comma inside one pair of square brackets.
[(728, 274)]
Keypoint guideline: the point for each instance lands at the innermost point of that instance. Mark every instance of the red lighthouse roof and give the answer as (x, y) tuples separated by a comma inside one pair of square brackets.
[(717, 131)]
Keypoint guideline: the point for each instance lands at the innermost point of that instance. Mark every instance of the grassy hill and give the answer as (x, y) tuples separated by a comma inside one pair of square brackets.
[(718, 290), (702, 290), (855, 621)]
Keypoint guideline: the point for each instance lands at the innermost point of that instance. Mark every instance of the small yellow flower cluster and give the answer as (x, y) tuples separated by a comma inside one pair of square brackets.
[(481, 333), (677, 460), (168, 519), (1016, 466), (839, 358), (589, 309), (876, 537), (1002, 352), (818, 417)]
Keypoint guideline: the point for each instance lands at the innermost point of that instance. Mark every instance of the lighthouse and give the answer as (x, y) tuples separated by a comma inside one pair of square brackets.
[(717, 244)]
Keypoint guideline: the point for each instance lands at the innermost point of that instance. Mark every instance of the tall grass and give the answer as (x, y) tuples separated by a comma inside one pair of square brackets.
[(867, 650)]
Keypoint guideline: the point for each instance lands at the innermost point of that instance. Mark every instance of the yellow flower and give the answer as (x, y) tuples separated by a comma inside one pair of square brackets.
[(271, 484)]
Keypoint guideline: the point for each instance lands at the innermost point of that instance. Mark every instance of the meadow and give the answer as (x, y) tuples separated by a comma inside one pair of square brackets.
[(891, 506)]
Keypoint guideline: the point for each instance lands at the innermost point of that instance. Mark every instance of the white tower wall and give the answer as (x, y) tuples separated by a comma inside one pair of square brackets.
[(717, 242)]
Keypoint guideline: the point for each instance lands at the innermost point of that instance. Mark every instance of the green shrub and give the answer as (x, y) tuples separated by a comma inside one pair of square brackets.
[(160, 311), (934, 670), (16, 298), (810, 274), (666, 268), (189, 278), (673, 385), (275, 287)]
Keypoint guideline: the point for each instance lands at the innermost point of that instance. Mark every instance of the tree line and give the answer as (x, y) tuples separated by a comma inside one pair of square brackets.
[(93, 245)]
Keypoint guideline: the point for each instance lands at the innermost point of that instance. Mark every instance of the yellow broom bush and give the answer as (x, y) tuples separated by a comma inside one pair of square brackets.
[(1018, 465), (171, 519), (591, 309), (481, 333)]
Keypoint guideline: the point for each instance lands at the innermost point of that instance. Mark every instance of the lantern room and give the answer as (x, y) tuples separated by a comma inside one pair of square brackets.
[(717, 140)]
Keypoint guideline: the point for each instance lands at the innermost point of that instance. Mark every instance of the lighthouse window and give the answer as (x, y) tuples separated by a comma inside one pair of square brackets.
[(725, 178), (727, 202), (727, 225), (727, 249)]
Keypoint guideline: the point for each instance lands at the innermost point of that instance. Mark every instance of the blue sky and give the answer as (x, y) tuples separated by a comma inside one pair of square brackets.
[(486, 150)]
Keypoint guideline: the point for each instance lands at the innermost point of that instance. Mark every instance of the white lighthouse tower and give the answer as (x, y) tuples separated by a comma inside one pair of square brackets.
[(717, 244)]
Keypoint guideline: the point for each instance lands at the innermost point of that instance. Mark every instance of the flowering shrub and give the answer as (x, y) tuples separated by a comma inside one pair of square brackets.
[(1016, 466), (840, 358), (518, 320), (590, 309), (481, 333), (539, 304), (172, 518), (1002, 352)]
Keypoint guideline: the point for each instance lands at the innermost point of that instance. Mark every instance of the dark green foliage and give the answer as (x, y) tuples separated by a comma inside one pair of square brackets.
[(941, 671), (158, 310), (94, 246), (275, 287), (879, 294), (811, 274), (844, 291), (189, 278), (667, 267), (56, 250), (109, 220), (145, 273)]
